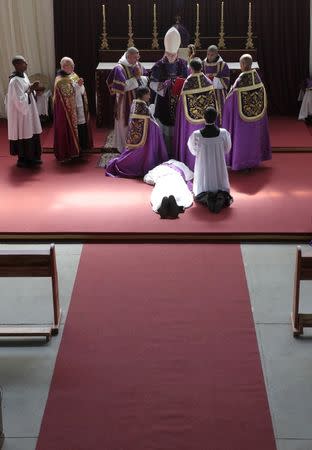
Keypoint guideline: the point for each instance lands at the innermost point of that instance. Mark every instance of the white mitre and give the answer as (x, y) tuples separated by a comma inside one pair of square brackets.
[(172, 40)]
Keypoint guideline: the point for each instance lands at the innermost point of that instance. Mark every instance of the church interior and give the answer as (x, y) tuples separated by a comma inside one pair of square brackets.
[(155, 232)]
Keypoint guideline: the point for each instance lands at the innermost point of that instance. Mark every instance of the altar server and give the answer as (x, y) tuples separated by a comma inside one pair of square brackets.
[(218, 72), (305, 97), (166, 75), (245, 117), (24, 126), (197, 95), (209, 146), (122, 82), (145, 147), (72, 127)]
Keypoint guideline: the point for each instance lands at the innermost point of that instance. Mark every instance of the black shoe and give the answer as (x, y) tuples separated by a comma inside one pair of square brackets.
[(37, 161), (174, 209), (211, 201), (163, 210), (228, 199), (220, 202)]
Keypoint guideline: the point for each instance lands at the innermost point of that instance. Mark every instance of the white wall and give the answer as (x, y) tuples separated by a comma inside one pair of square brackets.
[(26, 28)]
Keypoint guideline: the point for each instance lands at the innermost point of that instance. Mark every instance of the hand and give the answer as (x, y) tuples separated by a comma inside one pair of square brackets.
[(137, 71), (80, 82), (34, 86), (167, 85)]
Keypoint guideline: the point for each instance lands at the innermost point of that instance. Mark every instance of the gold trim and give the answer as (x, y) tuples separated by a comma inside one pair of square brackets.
[(259, 116), (74, 130), (145, 118), (196, 91)]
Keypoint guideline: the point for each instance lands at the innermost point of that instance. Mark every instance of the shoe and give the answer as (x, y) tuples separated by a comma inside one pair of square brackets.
[(164, 208), (220, 202), (174, 209), (37, 161), (211, 201)]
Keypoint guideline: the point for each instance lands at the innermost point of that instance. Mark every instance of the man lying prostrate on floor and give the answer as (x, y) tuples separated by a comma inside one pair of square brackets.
[(211, 185), (172, 188)]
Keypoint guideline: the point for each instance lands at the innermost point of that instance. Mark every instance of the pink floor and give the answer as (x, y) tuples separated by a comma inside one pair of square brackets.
[(286, 132), (274, 199)]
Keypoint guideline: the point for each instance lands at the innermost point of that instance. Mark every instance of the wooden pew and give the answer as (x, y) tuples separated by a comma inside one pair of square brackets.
[(303, 271), (32, 263)]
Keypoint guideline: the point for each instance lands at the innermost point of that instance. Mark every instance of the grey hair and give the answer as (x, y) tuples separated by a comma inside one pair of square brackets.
[(67, 60), (247, 59), (132, 50), (213, 48)]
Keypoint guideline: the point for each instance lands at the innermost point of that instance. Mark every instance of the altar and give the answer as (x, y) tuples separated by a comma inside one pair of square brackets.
[(198, 18), (105, 102)]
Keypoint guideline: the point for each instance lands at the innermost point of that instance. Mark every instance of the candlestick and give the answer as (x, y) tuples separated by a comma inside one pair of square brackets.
[(221, 43), (249, 42), (155, 44), (197, 33), (130, 32), (104, 42)]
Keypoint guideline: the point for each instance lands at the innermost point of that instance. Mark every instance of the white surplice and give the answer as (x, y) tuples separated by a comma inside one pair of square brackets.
[(210, 171), (306, 107), (23, 117), (170, 178)]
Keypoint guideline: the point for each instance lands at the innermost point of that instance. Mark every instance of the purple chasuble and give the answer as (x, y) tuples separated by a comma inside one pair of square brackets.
[(245, 117), (145, 147), (116, 82), (219, 73), (196, 96)]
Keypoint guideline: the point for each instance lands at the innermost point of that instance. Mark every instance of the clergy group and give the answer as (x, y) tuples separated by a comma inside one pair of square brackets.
[(181, 112)]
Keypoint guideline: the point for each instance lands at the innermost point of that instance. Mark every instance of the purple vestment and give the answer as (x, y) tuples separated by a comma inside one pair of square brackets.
[(197, 95), (245, 117), (219, 73), (163, 71), (116, 82), (145, 147)]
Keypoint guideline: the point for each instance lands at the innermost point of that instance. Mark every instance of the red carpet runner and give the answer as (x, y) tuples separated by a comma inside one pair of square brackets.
[(159, 353)]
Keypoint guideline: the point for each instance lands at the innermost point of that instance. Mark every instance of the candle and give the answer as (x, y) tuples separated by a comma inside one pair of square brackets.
[(154, 12), (197, 11), (129, 11), (104, 18), (222, 11), (249, 11)]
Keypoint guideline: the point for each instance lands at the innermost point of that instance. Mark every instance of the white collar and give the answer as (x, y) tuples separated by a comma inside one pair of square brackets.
[(123, 60)]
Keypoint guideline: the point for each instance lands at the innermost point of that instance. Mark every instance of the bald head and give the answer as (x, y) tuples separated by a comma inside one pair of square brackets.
[(212, 53), (132, 55), (245, 62)]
